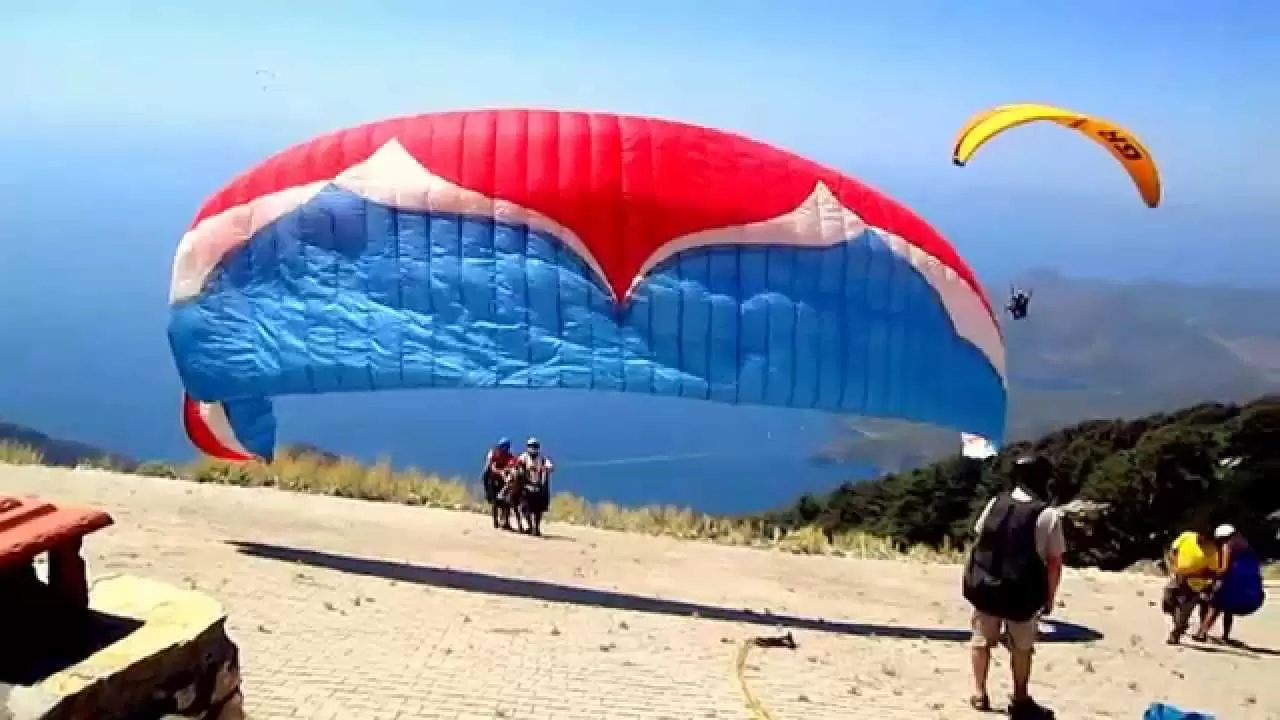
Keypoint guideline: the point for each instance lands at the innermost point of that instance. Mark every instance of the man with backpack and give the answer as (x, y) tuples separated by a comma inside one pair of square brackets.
[(1012, 578)]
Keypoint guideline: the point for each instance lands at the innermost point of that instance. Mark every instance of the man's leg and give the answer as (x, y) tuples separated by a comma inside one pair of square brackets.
[(1022, 640), (1227, 621), (1206, 623), (986, 635), (1185, 606)]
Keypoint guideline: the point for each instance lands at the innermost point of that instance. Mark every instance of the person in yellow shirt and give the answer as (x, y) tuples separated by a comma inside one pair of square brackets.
[(1193, 565)]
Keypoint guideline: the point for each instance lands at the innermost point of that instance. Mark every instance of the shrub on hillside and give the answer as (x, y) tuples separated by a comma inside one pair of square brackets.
[(156, 469), (1146, 480)]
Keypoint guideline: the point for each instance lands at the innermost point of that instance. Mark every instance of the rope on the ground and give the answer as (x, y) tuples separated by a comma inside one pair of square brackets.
[(752, 702), (786, 641)]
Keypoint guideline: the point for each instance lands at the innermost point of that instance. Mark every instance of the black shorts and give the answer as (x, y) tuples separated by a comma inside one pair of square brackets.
[(538, 499)]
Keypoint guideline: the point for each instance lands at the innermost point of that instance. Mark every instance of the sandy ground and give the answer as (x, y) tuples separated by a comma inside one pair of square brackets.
[(347, 610)]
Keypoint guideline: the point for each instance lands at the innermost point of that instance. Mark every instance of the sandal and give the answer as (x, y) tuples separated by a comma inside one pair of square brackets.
[(1028, 709), (981, 703)]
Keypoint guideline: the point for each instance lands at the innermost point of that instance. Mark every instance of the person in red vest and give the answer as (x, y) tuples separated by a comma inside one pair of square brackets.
[(496, 464)]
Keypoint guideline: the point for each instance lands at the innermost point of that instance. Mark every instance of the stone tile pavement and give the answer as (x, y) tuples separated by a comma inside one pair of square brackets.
[(346, 610)]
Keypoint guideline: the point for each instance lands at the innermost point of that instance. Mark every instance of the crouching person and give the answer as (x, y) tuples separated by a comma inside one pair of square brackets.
[(1239, 591), (1192, 560)]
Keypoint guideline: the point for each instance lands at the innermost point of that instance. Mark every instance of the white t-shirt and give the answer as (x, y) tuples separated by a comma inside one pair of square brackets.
[(1049, 537)]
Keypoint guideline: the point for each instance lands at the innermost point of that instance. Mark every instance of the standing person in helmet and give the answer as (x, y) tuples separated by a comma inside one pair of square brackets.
[(496, 463), (1012, 578), (536, 471)]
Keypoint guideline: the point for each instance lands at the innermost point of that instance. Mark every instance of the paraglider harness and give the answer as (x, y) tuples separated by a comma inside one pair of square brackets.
[(513, 482), (1019, 301), (528, 484)]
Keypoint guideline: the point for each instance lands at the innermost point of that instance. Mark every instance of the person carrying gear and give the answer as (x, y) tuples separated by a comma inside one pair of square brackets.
[(536, 469), (494, 476), (1011, 579)]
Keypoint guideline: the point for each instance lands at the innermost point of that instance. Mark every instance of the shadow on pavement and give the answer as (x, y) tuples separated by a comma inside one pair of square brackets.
[(478, 582)]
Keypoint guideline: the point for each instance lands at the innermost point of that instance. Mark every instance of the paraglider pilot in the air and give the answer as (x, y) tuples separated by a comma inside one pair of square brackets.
[(1019, 300)]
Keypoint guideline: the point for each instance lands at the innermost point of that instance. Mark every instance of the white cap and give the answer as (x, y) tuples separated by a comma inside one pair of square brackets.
[(1224, 531)]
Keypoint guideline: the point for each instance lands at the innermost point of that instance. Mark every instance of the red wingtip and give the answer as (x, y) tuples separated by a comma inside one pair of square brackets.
[(204, 437)]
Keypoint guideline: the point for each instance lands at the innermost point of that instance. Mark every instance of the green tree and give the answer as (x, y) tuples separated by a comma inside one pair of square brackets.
[(1150, 477)]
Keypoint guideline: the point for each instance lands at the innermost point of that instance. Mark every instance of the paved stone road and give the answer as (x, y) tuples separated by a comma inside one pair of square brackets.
[(346, 610)]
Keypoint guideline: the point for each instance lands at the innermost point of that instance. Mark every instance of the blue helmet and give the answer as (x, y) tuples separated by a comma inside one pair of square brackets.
[(504, 443)]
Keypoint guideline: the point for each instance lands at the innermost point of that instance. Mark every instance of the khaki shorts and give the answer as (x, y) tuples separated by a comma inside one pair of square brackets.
[(988, 631)]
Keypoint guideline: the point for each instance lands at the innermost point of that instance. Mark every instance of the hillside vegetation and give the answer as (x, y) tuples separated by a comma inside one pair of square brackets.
[(1129, 486)]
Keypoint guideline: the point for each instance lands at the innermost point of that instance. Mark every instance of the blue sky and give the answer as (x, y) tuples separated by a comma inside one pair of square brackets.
[(877, 89), (145, 108), (854, 83)]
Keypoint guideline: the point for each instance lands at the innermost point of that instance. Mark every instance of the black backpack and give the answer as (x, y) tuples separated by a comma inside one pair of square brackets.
[(1005, 576)]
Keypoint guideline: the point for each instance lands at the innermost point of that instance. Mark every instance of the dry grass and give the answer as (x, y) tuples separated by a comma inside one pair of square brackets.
[(13, 453), (381, 482)]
